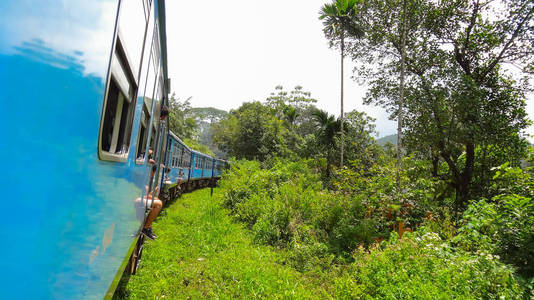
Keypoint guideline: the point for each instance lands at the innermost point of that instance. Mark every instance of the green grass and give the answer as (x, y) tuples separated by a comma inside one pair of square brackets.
[(201, 253)]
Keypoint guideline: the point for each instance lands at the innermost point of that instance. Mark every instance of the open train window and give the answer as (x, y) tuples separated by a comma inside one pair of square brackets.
[(143, 130), (187, 159), (153, 136), (175, 155), (181, 157), (119, 108)]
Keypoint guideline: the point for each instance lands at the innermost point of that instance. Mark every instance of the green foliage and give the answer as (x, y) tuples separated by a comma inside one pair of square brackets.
[(205, 118), (504, 227), (286, 206), (200, 253), (288, 125), (195, 145), (252, 132), (375, 186), (423, 266), (459, 94), (312, 242), (339, 19), (513, 180), (180, 122)]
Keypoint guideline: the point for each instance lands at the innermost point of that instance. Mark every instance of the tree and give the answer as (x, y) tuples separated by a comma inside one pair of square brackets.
[(252, 132), (206, 117), (283, 104), (180, 122), (339, 19), (401, 94), (327, 129), (360, 146), (460, 92)]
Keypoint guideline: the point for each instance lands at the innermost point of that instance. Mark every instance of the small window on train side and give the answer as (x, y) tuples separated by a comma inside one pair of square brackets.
[(175, 156), (143, 130), (187, 161), (119, 108)]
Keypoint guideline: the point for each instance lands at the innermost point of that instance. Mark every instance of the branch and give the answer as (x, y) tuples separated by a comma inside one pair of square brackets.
[(459, 54), (510, 41)]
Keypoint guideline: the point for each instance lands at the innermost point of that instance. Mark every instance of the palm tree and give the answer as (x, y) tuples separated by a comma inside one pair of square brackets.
[(290, 114), (339, 20), (327, 128)]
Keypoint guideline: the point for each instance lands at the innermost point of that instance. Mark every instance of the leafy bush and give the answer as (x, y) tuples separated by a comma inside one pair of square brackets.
[(423, 266), (375, 187), (504, 227), (286, 206)]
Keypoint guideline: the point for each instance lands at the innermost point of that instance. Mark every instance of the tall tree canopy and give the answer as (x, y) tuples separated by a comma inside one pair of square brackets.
[(180, 120), (466, 62), (339, 19)]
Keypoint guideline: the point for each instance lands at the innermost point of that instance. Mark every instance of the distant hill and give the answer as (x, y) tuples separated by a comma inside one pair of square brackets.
[(388, 138)]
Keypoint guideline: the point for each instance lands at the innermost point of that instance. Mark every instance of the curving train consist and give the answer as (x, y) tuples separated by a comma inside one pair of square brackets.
[(82, 87), (187, 169)]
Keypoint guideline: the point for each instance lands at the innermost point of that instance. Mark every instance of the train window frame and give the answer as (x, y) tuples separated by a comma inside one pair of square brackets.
[(121, 90), (174, 151), (142, 137)]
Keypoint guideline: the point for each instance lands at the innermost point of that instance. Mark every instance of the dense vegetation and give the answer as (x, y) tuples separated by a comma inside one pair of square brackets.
[(301, 240), (487, 254), (200, 253), (447, 210)]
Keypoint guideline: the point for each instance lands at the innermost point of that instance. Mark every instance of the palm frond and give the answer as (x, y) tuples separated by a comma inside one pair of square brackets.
[(340, 16)]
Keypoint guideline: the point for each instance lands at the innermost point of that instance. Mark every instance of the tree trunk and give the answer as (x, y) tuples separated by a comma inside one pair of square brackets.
[(464, 181), (435, 163), (401, 96), (342, 116)]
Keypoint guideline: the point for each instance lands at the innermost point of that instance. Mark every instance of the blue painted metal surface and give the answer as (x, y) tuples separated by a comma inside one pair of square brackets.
[(70, 217)]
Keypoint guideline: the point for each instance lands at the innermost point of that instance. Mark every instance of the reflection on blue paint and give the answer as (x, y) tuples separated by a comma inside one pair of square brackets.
[(70, 217)]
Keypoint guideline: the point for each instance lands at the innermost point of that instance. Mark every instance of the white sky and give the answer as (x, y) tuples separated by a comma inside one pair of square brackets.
[(224, 53)]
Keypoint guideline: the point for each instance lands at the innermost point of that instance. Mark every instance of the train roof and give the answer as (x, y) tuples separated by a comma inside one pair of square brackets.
[(174, 136)]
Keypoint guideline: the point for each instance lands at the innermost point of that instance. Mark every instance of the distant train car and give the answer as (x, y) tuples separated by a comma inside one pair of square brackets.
[(219, 166), (83, 83), (177, 162), (187, 169), (201, 167)]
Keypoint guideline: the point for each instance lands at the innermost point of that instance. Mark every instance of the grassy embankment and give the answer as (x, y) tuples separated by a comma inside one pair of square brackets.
[(200, 252)]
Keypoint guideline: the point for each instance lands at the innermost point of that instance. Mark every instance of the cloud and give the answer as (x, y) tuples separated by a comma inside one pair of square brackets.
[(84, 30)]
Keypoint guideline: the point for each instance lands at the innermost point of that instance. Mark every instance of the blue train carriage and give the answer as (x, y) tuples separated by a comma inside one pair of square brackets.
[(200, 173), (82, 87), (219, 165), (177, 162)]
